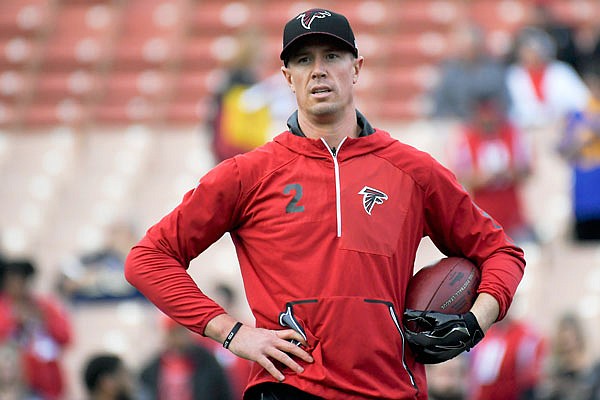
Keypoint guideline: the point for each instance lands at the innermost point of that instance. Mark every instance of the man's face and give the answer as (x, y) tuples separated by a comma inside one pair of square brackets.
[(321, 72), (16, 285)]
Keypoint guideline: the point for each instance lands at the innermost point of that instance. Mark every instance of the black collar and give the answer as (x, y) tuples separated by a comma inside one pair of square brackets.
[(365, 128)]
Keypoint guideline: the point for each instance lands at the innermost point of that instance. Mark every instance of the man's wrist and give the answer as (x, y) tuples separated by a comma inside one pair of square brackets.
[(232, 334), (485, 310), (219, 327)]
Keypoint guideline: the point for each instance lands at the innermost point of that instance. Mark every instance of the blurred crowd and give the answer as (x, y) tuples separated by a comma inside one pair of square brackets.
[(549, 78), (515, 362), (36, 330)]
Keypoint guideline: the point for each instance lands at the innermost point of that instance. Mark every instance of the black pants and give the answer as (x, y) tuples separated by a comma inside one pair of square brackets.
[(277, 391)]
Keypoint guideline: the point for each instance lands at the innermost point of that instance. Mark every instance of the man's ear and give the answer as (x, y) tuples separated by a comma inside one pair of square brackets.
[(288, 77), (357, 66)]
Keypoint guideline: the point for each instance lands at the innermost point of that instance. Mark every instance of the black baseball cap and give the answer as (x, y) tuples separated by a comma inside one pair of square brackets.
[(317, 21)]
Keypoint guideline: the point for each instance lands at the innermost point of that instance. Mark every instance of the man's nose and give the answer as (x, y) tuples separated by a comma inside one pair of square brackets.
[(319, 69)]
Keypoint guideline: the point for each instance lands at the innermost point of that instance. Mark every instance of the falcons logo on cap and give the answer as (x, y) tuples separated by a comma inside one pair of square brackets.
[(309, 16), (371, 197)]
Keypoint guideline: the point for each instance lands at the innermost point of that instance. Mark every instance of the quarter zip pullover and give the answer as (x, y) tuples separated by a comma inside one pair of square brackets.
[(336, 172), (345, 283)]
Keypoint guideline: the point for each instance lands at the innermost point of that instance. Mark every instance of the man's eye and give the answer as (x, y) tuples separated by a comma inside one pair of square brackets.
[(302, 60), (332, 56)]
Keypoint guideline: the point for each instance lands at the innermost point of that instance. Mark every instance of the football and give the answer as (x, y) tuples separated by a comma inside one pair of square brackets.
[(448, 286)]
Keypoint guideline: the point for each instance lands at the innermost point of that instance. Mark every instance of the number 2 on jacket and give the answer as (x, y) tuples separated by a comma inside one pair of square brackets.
[(292, 206)]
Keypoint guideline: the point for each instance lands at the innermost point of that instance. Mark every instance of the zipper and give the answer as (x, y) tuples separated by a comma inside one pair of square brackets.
[(336, 168), (392, 311), (408, 371)]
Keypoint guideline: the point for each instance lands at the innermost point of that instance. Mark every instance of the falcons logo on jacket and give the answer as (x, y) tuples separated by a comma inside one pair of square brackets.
[(371, 197), (309, 16)]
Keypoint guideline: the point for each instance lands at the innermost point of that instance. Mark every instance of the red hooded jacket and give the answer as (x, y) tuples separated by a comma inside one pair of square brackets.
[(331, 239)]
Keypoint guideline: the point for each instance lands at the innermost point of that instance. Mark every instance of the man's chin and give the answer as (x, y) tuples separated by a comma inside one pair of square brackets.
[(324, 110)]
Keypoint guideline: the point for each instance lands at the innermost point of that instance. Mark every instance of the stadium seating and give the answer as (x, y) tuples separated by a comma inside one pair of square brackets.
[(80, 53), (81, 60), (24, 17)]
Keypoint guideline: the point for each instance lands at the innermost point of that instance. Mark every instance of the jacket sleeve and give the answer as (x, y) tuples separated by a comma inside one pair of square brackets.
[(157, 265), (459, 228)]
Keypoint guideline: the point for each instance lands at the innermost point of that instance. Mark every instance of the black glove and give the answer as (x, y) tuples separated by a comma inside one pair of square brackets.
[(436, 337)]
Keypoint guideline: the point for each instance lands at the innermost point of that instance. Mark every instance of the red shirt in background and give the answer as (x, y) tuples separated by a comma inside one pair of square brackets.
[(41, 342), (507, 363), (501, 156)]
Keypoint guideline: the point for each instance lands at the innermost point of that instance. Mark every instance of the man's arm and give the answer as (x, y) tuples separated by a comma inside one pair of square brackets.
[(157, 267), (458, 227), (486, 310)]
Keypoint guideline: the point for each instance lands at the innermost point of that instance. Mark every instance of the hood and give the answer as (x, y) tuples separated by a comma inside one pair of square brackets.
[(370, 140)]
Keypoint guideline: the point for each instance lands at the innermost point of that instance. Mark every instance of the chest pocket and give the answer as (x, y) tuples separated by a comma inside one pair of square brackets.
[(374, 212)]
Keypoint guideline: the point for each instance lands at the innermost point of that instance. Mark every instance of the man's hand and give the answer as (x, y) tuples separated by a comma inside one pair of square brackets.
[(436, 337), (263, 346)]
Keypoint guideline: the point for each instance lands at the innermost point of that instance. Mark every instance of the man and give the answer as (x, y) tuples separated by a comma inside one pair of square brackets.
[(97, 276), (106, 378), (492, 160), (543, 90), (467, 72), (326, 220)]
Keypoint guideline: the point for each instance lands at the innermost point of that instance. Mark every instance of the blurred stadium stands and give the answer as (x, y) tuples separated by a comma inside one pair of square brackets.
[(152, 61), (100, 103)]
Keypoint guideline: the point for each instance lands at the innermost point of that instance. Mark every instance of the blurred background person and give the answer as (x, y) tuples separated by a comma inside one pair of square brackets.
[(106, 378), (542, 89), (587, 42), (98, 275), (448, 380), (465, 74), (576, 43), (508, 364), (183, 369), (542, 16), (580, 146), (37, 325), (570, 373), (236, 121), (492, 160)]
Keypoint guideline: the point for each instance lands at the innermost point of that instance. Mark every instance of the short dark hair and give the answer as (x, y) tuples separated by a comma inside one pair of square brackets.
[(98, 367), (21, 267)]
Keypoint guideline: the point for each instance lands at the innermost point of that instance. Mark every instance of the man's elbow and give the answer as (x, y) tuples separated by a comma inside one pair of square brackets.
[(131, 266)]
